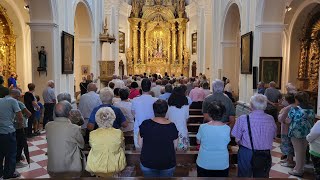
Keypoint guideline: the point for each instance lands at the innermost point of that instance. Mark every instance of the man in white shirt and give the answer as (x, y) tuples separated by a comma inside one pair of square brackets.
[(228, 87), (142, 108), (157, 89)]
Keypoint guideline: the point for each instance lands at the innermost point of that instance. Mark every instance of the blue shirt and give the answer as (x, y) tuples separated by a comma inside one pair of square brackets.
[(165, 96), (213, 153), (38, 113), (8, 109), (119, 116), (12, 81)]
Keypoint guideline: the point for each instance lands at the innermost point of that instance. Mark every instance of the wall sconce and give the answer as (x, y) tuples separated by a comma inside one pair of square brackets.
[(105, 37)]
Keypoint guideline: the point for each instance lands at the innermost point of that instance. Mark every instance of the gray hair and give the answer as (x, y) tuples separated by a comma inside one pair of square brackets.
[(106, 95), (62, 109), (15, 92), (64, 97), (105, 117), (258, 102), (218, 86), (272, 84), (50, 82), (291, 88)]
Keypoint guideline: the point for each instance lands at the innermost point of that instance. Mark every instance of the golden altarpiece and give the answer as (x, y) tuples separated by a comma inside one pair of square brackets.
[(7, 45), (158, 38)]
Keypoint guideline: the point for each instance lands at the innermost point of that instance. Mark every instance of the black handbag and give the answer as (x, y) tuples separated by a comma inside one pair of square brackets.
[(260, 159)]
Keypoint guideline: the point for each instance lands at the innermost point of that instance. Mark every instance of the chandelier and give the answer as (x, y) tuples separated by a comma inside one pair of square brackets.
[(105, 36)]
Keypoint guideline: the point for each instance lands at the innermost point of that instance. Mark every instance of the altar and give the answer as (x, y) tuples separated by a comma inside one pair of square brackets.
[(158, 43)]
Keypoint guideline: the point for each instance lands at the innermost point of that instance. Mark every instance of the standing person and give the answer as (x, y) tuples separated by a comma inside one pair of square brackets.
[(167, 94), (32, 105), (263, 131), (9, 108), (206, 90), (12, 82), (228, 90), (158, 139), (274, 96), (49, 99), (314, 143), (142, 108), (4, 91), (83, 86), (261, 88), (178, 113), (38, 115), (286, 144), (302, 117), (126, 108), (213, 137), (157, 89)]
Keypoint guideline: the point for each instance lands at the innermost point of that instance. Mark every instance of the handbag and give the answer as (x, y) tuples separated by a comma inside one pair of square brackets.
[(260, 159)]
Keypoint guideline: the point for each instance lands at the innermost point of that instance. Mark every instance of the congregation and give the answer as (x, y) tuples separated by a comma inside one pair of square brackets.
[(155, 110)]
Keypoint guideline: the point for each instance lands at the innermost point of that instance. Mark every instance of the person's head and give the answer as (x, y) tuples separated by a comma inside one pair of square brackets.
[(111, 85), (62, 109), (15, 93), (31, 86), (291, 88), (178, 98), (1, 80), (302, 100), (160, 108), (216, 110), (228, 81), (272, 84), (89, 77), (13, 74), (114, 76), (37, 98), (218, 86), (158, 82), (64, 97), (196, 84), (116, 91), (258, 102), (138, 78), (261, 84), (105, 117), (106, 95), (134, 85), (84, 79), (168, 88), (92, 87), (290, 98), (51, 83), (205, 85), (145, 85), (124, 94)]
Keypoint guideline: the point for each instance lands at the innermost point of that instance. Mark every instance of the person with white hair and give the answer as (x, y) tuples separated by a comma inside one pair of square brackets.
[(75, 114), (49, 99), (107, 156), (106, 96), (219, 96), (118, 83), (64, 143), (255, 132)]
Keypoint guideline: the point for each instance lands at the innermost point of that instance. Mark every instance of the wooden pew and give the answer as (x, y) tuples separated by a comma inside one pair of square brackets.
[(195, 112)]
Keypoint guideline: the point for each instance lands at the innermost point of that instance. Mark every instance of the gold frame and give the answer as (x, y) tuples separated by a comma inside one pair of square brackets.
[(194, 41), (122, 42)]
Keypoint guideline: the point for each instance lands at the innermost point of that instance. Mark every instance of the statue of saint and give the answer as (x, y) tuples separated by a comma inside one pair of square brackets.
[(182, 5), (42, 58)]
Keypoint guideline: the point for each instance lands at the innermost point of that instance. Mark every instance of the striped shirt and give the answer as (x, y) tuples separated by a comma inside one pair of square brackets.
[(263, 130)]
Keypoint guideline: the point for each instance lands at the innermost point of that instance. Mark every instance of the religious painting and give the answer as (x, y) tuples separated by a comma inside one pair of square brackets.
[(85, 69), (67, 42), (246, 53), (194, 38), (270, 70), (122, 42)]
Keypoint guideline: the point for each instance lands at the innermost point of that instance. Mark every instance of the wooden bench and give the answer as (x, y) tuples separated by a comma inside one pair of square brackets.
[(195, 119), (195, 112)]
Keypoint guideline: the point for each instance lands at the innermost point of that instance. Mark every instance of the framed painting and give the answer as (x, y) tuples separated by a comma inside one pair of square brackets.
[(194, 39), (67, 51), (122, 42), (271, 70), (85, 69), (246, 53)]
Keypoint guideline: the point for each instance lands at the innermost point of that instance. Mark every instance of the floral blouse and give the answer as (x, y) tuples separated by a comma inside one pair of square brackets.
[(301, 122)]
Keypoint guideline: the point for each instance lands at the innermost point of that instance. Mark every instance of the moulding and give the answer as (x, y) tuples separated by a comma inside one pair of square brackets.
[(271, 27)]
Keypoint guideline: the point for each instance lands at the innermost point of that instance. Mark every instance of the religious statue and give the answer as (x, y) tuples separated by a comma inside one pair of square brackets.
[(129, 56), (158, 2), (149, 2), (42, 58)]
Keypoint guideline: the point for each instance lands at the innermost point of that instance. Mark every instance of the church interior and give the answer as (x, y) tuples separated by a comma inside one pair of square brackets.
[(246, 41)]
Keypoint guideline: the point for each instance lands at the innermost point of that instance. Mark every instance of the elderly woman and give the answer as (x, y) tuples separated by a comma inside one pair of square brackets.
[(134, 91), (213, 137), (302, 117), (75, 115), (106, 157), (263, 130), (126, 107), (158, 139)]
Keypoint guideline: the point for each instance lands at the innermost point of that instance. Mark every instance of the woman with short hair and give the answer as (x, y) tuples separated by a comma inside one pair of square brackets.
[(107, 156), (213, 137), (134, 91), (263, 131), (126, 108), (158, 139), (302, 117), (75, 114)]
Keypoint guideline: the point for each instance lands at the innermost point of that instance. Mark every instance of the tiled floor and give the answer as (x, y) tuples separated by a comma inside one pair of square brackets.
[(38, 166)]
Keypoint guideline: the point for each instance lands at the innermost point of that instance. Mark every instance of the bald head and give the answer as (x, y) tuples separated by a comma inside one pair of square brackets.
[(92, 87), (62, 109), (272, 84)]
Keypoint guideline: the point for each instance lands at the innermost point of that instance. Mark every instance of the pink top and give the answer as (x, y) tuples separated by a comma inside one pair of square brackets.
[(284, 119), (197, 95), (134, 93)]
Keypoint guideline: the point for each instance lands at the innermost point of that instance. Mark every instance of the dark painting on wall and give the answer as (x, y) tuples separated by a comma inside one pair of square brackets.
[(246, 53), (194, 40), (122, 42), (270, 70), (67, 51)]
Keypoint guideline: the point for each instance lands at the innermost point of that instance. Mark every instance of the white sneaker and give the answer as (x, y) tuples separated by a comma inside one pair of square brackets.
[(21, 164)]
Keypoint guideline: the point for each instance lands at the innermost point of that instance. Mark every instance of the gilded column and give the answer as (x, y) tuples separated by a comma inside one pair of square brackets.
[(173, 46), (135, 28), (180, 47), (142, 41)]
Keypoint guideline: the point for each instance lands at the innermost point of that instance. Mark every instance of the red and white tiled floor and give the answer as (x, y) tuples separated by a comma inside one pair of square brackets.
[(38, 165)]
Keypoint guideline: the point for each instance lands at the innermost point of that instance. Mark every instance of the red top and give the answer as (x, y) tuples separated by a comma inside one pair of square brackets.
[(134, 93)]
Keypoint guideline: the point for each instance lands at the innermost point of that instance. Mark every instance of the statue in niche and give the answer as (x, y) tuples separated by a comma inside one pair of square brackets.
[(149, 2), (181, 5), (42, 58), (158, 2), (158, 50)]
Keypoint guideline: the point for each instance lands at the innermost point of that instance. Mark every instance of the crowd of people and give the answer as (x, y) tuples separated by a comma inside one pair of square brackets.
[(155, 110)]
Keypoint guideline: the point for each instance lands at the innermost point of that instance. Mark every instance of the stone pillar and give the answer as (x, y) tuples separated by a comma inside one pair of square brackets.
[(135, 28), (173, 46), (142, 41)]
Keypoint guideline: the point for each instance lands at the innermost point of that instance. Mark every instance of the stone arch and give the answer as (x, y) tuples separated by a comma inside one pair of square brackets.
[(230, 43), (83, 32)]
